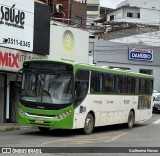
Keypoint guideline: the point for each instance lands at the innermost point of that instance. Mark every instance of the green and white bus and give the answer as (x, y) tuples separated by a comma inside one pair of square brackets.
[(66, 95)]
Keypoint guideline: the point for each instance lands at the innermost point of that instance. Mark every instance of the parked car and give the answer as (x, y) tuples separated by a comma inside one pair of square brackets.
[(156, 105), (155, 94)]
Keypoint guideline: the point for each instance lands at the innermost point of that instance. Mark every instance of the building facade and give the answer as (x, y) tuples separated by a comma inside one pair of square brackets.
[(93, 13), (120, 30), (22, 38), (127, 56), (72, 12), (137, 12), (11, 62)]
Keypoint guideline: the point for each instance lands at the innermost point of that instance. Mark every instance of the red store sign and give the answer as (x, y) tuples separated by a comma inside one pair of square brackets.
[(12, 60)]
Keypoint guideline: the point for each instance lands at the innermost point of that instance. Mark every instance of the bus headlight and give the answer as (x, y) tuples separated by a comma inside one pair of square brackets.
[(63, 115), (22, 112)]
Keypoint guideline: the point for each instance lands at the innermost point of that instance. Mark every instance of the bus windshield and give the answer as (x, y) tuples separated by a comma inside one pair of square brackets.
[(50, 88)]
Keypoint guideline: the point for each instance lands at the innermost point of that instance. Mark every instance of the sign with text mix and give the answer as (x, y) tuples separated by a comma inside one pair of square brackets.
[(12, 60), (16, 24)]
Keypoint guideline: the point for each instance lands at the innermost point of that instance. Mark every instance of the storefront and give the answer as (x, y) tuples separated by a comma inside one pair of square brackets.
[(24, 35), (10, 62), (2, 77)]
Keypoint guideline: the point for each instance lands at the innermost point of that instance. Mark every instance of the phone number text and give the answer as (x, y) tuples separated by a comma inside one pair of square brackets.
[(18, 42)]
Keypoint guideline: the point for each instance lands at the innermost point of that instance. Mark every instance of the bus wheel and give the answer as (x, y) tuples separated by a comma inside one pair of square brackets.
[(43, 129), (89, 124), (131, 119)]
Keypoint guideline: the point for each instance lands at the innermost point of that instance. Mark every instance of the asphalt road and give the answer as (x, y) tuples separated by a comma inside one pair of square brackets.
[(144, 134)]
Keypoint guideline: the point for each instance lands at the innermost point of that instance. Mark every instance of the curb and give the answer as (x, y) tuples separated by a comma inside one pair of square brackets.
[(12, 127)]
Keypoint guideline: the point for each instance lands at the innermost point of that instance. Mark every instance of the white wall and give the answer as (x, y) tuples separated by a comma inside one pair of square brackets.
[(150, 4), (150, 16), (69, 44), (156, 73), (92, 1)]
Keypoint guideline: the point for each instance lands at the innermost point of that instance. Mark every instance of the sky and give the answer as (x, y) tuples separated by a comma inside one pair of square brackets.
[(110, 3)]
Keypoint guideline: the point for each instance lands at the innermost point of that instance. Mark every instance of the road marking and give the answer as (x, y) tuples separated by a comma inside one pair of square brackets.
[(53, 141), (157, 121), (116, 137), (95, 138), (85, 140)]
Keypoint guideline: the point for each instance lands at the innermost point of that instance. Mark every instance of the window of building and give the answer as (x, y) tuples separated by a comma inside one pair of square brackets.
[(111, 17), (146, 71), (93, 24), (92, 8), (78, 20), (129, 14)]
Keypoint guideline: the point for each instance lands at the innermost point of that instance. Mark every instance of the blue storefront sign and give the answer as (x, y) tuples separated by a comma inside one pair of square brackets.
[(140, 54)]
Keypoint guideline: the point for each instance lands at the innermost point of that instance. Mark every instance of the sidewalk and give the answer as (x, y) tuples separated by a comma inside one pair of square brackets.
[(10, 126)]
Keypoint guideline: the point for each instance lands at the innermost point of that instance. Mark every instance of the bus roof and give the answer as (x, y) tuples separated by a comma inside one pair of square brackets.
[(78, 65)]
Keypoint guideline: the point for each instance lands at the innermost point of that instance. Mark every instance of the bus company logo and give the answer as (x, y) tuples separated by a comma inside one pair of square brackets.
[(6, 150), (9, 59), (11, 16), (68, 40)]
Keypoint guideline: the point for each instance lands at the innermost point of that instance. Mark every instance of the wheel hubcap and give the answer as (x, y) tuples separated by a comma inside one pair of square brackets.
[(89, 124)]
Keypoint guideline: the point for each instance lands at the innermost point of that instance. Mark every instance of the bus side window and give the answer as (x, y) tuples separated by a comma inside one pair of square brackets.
[(149, 86), (121, 84), (96, 82), (80, 89), (131, 85), (81, 86), (136, 80), (142, 86), (108, 83)]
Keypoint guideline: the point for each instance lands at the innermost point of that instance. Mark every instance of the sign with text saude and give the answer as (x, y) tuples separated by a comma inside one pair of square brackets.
[(12, 60), (16, 24), (140, 54)]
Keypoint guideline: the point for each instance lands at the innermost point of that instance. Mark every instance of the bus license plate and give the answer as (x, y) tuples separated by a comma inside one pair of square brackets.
[(39, 121)]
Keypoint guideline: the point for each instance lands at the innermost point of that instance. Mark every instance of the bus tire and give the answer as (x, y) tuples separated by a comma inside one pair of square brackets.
[(43, 129), (89, 124), (131, 119)]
